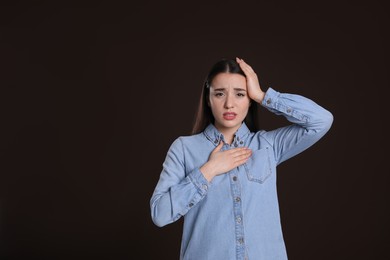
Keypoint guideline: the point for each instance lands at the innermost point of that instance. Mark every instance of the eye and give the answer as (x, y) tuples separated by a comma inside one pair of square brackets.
[(218, 94), (241, 94)]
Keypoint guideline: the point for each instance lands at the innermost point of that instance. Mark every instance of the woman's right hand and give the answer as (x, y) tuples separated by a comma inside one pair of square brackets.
[(222, 162)]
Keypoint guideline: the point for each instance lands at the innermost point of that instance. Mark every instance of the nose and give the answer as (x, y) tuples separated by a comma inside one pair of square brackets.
[(229, 101)]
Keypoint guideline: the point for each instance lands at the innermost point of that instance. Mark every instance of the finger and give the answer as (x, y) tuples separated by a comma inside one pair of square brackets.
[(246, 67), (240, 149), (218, 147), (247, 70), (242, 157), (240, 162), (235, 150), (241, 153)]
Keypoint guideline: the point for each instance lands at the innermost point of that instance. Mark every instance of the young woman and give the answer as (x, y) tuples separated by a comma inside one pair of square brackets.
[(222, 178)]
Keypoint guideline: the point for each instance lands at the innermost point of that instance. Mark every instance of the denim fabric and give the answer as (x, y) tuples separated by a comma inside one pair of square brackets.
[(236, 215)]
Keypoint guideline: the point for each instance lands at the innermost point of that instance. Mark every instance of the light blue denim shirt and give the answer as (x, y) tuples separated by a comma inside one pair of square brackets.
[(236, 215)]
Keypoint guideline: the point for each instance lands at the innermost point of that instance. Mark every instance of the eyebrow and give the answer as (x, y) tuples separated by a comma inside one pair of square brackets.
[(223, 89)]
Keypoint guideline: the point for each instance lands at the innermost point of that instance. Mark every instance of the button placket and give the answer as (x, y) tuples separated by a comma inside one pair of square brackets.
[(237, 208)]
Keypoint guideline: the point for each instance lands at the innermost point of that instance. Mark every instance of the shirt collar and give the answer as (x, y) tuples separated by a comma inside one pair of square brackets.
[(212, 133)]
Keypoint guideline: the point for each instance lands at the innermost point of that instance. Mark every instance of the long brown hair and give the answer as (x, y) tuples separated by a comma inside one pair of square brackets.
[(204, 115)]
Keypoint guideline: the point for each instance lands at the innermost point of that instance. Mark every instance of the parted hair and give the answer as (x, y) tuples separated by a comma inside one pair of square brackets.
[(204, 115)]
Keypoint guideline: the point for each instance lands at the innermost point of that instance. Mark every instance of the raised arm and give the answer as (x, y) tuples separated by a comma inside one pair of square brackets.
[(310, 120), (310, 123)]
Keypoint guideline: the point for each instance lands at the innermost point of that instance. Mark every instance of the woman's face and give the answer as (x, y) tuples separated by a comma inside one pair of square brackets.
[(229, 100)]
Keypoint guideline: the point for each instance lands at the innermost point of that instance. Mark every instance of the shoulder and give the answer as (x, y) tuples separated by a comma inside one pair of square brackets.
[(263, 136), (188, 140)]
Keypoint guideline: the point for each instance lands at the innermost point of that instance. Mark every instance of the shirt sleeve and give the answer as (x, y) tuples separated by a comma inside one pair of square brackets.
[(176, 192), (310, 123)]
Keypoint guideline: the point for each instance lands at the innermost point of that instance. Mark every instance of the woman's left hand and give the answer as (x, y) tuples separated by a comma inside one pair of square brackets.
[(252, 82)]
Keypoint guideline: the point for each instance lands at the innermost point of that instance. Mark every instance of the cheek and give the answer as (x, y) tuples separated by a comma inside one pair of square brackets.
[(245, 103), (245, 108), (214, 103), (215, 109)]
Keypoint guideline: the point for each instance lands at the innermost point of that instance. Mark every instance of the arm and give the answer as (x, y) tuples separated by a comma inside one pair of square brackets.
[(176, 193), (310, 123)]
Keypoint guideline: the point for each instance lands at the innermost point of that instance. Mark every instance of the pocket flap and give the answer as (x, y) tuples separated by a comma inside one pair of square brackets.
[(258, 166)]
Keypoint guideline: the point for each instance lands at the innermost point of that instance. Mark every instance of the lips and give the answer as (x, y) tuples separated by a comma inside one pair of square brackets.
[(229, 115)]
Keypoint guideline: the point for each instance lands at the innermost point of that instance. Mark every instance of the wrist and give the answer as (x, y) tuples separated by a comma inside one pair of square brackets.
[(207, 172), (259, 97)]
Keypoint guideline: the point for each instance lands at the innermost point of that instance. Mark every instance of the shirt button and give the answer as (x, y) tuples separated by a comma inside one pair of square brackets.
[(216, 141), (234, 178), (235, 144), (241, 240), (241, 142), (238, 199), (190, 205), (269, 101), (204, 186), (288, 110), (238, 220)]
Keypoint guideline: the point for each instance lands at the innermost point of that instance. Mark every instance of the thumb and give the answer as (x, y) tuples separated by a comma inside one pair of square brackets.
[(218, 148)]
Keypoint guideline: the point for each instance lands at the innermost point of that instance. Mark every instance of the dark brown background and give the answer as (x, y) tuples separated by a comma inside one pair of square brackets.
[(92, 95)]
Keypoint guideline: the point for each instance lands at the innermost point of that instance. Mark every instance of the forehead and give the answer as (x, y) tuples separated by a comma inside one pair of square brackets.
[(228, 80)]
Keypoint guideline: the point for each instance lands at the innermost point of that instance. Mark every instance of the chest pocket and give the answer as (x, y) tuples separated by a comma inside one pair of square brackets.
[(258, 167)]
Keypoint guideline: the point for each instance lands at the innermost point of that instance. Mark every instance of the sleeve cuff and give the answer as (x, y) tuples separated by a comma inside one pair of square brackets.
[(270, 98), (199, 180)]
